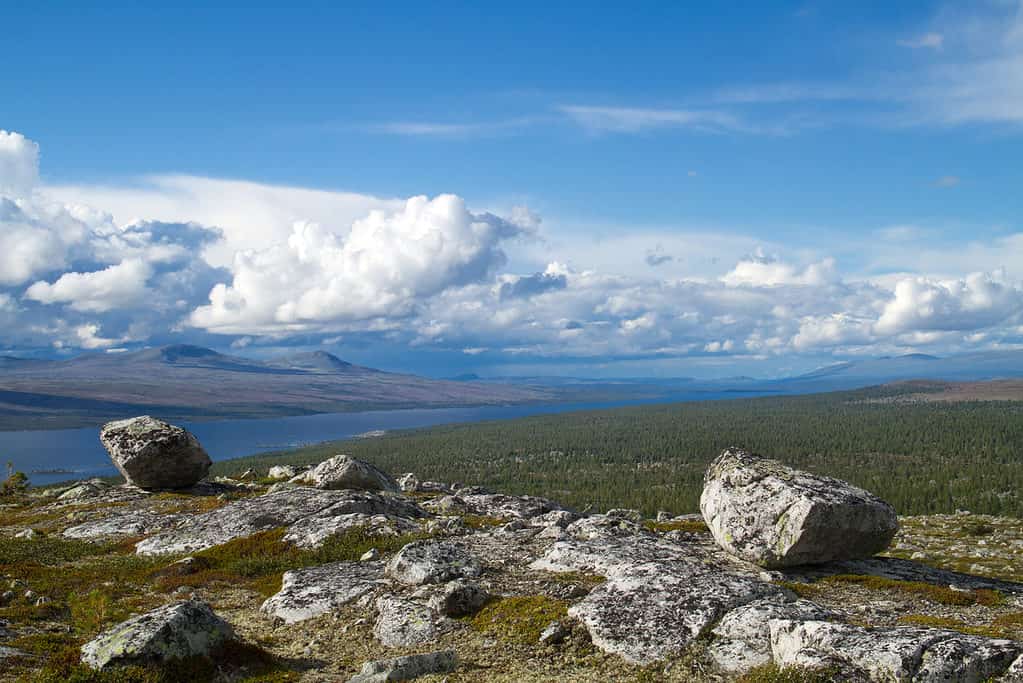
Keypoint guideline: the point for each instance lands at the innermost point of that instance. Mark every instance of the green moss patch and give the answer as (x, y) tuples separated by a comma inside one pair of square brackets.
[(942, 595), (692, 526), (258, 561), (519, 619)]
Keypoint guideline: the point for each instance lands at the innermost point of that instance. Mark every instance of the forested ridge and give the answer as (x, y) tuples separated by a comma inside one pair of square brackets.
[(922, 457)]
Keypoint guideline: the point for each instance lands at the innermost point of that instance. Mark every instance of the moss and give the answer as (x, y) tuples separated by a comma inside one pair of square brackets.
[(772, 673), (952, 624), (519, 619), (692, 526), (939, 594), (483, 521), (258, 561)]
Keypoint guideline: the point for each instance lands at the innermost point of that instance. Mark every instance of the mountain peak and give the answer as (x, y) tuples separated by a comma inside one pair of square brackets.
[(314, 360)]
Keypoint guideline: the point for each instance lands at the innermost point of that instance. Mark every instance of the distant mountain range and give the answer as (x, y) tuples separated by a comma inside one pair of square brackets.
[(190, 382)]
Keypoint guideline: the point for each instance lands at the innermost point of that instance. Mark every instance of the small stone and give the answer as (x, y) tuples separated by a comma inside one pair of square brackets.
[(407, 668), (625, 513), (554, 633), (346, 472), (27, 534), (370, 555), (459, 599), (281, 472), (403, 623), (422, 562)]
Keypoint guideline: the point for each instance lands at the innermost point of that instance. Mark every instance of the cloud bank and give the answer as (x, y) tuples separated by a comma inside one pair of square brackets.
[(236, 263)]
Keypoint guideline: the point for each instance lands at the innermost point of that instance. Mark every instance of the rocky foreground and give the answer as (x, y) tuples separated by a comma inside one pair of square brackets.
[(341, 572)]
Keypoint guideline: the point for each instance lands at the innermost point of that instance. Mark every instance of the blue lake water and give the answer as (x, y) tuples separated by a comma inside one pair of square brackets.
[(61, 454)]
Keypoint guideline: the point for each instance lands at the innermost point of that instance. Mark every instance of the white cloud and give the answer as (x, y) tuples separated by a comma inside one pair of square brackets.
[(635, 119), (19, 163), (759, 270), (379, 266), (977, 301), (119, 285)]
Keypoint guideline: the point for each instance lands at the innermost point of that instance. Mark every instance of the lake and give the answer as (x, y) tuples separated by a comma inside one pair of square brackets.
[(49, 456)]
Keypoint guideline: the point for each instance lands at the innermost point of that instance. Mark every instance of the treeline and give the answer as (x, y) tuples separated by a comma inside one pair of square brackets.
[(922, 457)]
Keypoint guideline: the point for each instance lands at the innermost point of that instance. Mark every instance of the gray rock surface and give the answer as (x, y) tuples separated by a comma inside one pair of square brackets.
[(774, 516), (459, 599), (893, 654), (743, 638), (127, 523), (649, 612), (153, 454), (310, 592), (403, 623), (282, 472), (305, 511), (346, 472), (423, 562), (173, 631), (407, 668)]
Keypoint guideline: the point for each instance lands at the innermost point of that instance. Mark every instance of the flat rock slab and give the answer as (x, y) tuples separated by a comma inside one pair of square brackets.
[(283, 508), (495, 505), (646, 613), (774, 516), (311, 532), (125, 523), (175, 631), (407, 668), (893, 654), (423, 562), (310, 592)]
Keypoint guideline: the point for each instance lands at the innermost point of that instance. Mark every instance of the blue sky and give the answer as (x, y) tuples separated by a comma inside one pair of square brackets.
[(681, 190)]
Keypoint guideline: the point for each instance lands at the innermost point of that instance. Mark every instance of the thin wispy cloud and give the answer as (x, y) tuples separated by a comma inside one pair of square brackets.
[(947, 181), (453, 129), (635, 119), (932, 41)]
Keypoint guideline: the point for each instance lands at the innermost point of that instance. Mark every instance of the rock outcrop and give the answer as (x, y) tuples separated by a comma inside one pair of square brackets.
[(307, 513), (310, 592), (176, 631), (345, 472), (771, 515), (152, 454)]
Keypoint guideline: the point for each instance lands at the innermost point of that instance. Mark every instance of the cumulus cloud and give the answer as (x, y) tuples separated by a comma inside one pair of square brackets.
[(380, 266), (977, 301), (760, 270), (19, 163), (525, 286), (122, 284)]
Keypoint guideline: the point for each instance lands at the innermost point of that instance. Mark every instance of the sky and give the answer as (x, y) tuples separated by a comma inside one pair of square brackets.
[(655, 189)]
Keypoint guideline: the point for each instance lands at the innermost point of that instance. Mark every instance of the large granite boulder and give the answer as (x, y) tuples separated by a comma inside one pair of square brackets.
[(152, 454), (176, 631), (309, 592), (774, 516), (346, 472)]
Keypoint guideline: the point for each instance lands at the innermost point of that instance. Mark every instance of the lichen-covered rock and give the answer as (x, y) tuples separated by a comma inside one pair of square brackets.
[(281, 472), (175, 631), (893, 654), (407, 668), (304, 511), (743, 638), (153, 454), (346, 472), (402, 623), (310, 592), (124, 524), (648, 612), (774, 516), (423, 562), (459, 599)]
